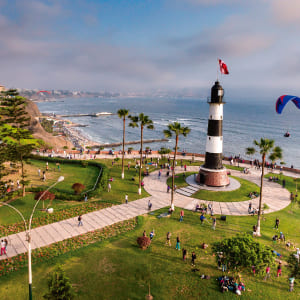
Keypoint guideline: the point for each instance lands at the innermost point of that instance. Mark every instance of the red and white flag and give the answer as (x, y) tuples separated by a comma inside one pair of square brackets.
[(223, 67)]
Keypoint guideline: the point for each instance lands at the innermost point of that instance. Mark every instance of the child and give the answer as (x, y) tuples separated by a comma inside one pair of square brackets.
[(279, 269)]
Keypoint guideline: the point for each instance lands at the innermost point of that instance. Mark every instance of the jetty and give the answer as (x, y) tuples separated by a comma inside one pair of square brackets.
[(99, 114), (129, 143)]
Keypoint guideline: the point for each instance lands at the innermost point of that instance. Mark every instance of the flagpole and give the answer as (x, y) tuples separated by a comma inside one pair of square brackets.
[(217, 70)]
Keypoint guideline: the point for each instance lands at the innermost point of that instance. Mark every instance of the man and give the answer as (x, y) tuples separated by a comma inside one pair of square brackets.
[(181, 215), (80, 220), (214, 223), (126, 199), (276, 223), (149, 205)]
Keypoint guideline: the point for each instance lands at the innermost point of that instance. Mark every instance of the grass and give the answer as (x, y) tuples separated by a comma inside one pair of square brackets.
[(87, 176), (241, 194), (118, 269)]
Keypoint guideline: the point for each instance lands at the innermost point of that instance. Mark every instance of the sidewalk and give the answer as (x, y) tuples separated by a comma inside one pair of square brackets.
[(274, 196)]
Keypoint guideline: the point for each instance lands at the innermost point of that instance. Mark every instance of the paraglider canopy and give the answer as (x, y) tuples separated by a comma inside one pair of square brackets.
[(283, 100), (44, 92), (287, 134)]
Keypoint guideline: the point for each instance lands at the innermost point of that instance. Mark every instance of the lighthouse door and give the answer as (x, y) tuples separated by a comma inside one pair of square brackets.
[(202, 178)]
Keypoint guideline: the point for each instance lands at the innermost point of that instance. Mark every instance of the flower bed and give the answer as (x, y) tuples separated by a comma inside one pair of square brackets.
[(42, 254), (55, 217)]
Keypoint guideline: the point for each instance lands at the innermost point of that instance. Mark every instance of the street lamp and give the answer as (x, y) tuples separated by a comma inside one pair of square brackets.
[(28, 231)]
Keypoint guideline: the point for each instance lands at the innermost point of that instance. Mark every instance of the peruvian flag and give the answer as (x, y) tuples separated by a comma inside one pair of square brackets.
[(223, 67)]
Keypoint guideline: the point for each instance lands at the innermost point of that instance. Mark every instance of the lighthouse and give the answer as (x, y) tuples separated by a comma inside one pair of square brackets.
[(212, 173)]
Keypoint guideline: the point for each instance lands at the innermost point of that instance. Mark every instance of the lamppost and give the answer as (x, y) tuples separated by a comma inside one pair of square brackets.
[(28, 231)]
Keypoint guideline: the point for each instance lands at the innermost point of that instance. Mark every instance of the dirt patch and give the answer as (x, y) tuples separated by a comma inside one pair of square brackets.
[(105, 266)]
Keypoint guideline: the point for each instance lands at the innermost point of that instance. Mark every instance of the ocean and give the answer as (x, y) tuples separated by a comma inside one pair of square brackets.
[(243, 122)]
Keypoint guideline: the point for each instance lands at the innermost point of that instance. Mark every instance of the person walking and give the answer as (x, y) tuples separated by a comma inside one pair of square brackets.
[(85, 198), (291, 283), (193, 258), (3, 251), (126, 199), (181, 215), (109, 187), (149, 205), (159, 174), (276, 223), (268, 269), (184, 254), (39, 172), (168, 189), (80, 220), (177, 243), (6, 243), (168, 241), (214, 223)]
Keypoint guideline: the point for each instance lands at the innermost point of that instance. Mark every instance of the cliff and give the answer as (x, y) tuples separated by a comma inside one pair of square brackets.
[(39, 132)]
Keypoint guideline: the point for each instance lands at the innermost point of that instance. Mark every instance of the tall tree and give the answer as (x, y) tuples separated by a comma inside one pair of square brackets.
[(141, 121), (265, 146), (14, 131), (176, 129), (123, 113)]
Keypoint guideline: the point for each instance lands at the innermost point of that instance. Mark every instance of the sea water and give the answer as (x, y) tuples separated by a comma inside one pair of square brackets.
[(243, 122)]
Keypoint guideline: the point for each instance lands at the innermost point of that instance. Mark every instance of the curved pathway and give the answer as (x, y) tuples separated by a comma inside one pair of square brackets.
[(274, 196)]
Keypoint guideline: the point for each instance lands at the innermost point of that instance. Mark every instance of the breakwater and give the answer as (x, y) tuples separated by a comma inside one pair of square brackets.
[(128, 143)]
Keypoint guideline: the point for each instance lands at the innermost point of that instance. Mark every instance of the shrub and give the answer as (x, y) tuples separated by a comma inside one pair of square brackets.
[(47, 195), (294, 264), (59, 285), (78, 188), (84, 163), (144, 242), (243, 251)]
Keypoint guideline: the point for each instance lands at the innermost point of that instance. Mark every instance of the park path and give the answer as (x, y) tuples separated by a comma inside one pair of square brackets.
[(274, 196)]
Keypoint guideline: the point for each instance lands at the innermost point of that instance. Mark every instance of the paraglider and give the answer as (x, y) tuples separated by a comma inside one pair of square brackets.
[(281, 103), (283, 100), (44, 92)]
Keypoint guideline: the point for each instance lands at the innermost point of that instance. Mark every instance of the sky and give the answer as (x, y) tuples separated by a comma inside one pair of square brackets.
[(151, 45)]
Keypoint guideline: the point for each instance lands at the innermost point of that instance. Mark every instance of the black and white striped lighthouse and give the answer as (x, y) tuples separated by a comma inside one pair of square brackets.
[(212, 173)]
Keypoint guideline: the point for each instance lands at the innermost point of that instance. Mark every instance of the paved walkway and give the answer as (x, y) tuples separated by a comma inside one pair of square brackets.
[(274, 196)]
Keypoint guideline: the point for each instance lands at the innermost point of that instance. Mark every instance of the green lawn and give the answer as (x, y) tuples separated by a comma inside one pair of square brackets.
[(240, 194), (119, 270), (72, 173)]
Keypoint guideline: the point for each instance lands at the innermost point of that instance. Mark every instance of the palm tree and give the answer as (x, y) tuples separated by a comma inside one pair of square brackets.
[(176, 129), (123, 113), (265, 146), (141, 121)]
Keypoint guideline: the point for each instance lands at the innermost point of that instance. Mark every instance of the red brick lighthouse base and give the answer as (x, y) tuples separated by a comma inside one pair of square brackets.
[(211, 177)]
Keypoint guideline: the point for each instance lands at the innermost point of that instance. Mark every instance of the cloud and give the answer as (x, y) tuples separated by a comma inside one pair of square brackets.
[(285, 12), (209, 2)]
